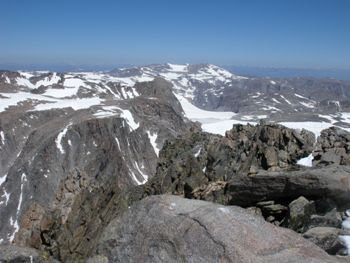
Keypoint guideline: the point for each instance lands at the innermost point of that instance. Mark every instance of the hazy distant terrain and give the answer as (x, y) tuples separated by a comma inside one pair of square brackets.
[(343, 74)]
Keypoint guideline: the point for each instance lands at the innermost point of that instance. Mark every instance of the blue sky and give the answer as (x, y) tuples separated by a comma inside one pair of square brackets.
[(271, 33)]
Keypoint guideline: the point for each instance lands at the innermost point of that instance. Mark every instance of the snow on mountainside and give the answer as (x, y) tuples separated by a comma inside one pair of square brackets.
[(205, 92)]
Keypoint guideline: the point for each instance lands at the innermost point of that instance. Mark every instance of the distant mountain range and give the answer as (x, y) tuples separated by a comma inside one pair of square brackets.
[(342, 74), (251, 71)]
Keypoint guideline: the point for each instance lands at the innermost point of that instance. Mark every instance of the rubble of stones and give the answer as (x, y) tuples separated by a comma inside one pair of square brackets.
[(255, 167)]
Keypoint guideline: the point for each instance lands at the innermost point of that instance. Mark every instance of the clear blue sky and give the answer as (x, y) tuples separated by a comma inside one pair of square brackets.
[(272, 33)]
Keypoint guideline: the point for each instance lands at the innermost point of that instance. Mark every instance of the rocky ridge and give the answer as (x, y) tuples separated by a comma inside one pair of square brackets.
[(312, 201)]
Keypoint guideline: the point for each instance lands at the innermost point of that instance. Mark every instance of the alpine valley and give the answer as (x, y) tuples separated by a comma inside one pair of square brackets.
[(173, 163)]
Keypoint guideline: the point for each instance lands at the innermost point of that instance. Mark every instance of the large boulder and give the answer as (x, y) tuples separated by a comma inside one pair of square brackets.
[(331, 219), (300, 211), (173, 229), (333, 147), (326, 238), (332, 182)]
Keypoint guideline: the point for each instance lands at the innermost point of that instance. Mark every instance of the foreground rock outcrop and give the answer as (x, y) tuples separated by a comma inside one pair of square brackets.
[(196, 159), (173, 229), (257, 168)]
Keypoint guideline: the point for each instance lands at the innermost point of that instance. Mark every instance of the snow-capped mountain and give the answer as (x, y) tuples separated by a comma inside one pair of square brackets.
[(317, 103)]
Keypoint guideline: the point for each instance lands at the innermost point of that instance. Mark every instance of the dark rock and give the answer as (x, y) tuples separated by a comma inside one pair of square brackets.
[(213, 191), (331, 219), (173, 229), (332, 182), (326, 238), (333, 147), (268, 146), (265, 203), (300, 211), (245, 150), (277, 211)]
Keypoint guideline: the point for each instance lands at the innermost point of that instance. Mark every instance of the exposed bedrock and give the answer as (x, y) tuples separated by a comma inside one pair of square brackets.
[(172, 229)]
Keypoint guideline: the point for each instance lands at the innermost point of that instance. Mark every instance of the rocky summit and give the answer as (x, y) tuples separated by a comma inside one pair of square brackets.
[(173, 163)]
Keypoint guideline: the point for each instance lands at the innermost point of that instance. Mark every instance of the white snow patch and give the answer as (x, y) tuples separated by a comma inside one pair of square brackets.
[(7, 196), (153, 138), (307, 104), (178, 68), (220, 127), (76, 104), (346, 240), (252, 117), (74, 83), (25, 82), (194, 113), (270, 108), (346, 222), (170, 75), (197, 153), (257, 95), (27, 75), (346, 225), (143, 78), (126, 114), (145, 176), (328, 117), (61, 93), (2, 137), (135, 178), (59, 138), (48, 81), (306, 161), (315, 127), (273, 82), (286, 100), (117, 141), (15, 223), (299, 96), (3, 179), (276, 100)]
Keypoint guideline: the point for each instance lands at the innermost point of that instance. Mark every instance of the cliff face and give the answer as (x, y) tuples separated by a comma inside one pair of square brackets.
[(65, 172)]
